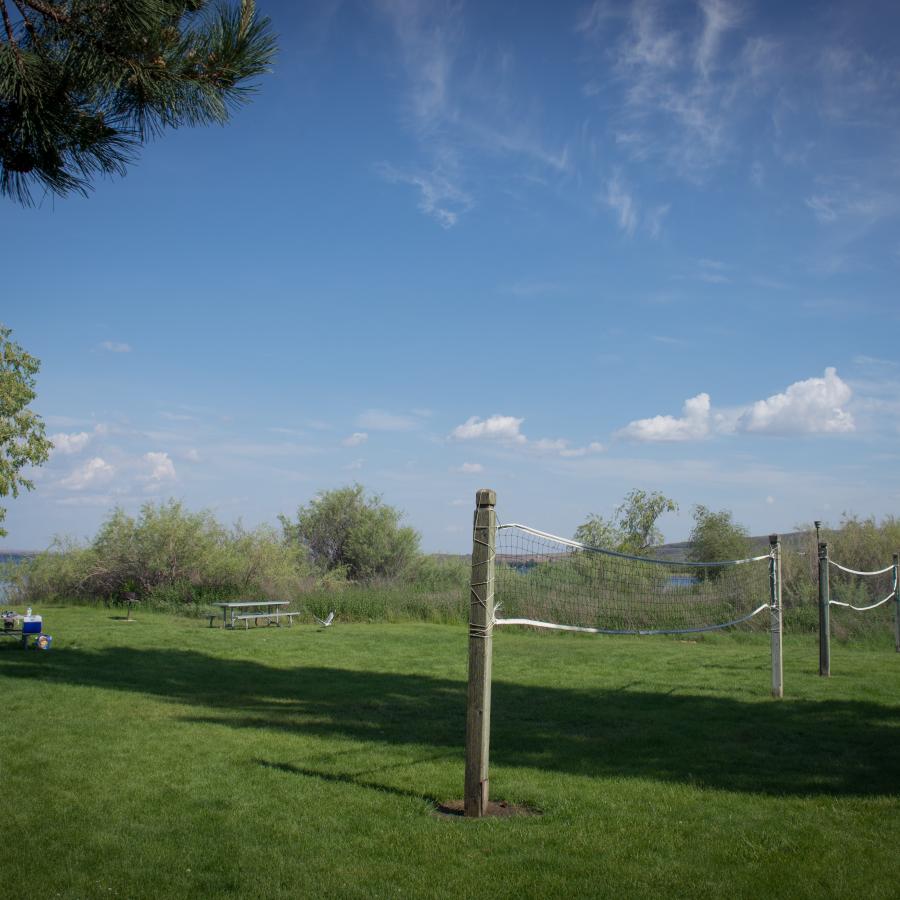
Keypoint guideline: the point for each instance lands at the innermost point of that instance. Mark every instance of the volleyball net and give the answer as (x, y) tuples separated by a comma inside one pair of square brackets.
[(546, 581)]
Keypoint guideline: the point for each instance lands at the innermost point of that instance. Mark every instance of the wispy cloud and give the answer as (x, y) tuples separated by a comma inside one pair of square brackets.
[(355, 439), (619, 199), (115, 346), (382, 420), (440, 197), (507, 431), (461, 108)]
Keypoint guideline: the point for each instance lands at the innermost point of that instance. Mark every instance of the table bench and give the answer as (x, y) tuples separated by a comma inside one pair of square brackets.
[(245, 610)]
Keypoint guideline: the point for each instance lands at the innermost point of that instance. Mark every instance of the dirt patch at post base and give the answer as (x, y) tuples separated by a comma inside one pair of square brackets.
[(497, 809)]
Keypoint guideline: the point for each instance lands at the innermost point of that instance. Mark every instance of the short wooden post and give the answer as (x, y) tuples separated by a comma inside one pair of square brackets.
[(824, 613), (775, 616), (481, 617), (897, 601)]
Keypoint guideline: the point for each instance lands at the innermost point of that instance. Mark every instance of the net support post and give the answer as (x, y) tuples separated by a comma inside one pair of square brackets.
[(481, 618), (824, 613), (897, 602), (775, 616)]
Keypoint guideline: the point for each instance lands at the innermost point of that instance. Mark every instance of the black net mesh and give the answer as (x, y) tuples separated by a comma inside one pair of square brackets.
[(555, 582)]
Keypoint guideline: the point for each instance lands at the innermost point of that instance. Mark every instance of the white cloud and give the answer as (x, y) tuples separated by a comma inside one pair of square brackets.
[(496, 427), (823, 207), (813, 406), (115, 346), (469, 468), (161, 467), (91, 473), (68, 444), (439, 195), (692, 426), (620, 200), (381, 420), (192, 455), (575, 452), (355, 439), (720, 16)]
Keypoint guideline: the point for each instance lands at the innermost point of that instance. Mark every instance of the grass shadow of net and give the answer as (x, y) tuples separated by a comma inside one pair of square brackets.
[(794, 748)]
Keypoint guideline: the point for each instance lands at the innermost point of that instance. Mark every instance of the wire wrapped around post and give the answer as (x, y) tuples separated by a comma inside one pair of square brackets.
[(481, 621)]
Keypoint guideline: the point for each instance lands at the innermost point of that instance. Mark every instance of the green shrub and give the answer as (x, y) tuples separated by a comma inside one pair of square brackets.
[(344, 529)]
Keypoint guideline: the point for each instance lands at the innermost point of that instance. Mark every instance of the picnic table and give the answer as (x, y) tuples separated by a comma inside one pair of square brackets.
[(245, 610)]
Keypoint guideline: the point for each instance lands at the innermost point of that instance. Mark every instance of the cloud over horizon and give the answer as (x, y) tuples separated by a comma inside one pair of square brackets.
[(811, 406)]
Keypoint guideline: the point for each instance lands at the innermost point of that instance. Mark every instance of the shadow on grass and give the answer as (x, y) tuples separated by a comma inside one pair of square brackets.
[(793, 747), (346, 778)]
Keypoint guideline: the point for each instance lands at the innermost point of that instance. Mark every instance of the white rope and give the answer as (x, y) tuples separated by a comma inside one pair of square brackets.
[(864, 608), (662, 562), (584, 630), (854, 572)]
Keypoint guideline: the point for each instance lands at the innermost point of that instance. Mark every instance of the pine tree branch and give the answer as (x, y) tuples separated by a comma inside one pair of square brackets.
[(7, 24), (29, 25)]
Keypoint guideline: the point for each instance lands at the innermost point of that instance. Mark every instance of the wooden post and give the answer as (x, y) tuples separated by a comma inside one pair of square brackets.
[(824, 613), (897, 601), (481, 617), (775, 616)]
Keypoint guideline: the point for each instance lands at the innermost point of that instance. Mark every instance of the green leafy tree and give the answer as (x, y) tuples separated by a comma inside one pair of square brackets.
[(637, 517), (633, 527), (84, 82), (716, 537), (344, 530), (22, 439)]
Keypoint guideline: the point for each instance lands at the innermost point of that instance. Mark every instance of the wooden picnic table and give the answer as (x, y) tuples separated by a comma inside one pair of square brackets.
[(264, 609)]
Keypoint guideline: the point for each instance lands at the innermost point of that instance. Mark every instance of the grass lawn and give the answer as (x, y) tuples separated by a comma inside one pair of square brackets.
[(161, 758)]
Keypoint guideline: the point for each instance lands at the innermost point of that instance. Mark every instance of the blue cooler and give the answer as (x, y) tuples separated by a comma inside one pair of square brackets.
[(31, 624)]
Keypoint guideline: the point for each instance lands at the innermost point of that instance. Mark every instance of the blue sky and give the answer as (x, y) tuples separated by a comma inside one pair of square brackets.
[(560, 250)]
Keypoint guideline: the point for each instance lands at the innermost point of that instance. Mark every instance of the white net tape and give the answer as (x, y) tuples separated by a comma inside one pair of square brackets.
[(547, 581), (855, 572), (857, 587)]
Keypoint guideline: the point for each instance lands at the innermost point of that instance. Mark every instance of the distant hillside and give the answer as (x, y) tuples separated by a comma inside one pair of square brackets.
[(677, 552)]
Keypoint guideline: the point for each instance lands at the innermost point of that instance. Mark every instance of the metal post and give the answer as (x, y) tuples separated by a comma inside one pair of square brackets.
[(775, 616), (824, 613), (897, 601), (481, 617)]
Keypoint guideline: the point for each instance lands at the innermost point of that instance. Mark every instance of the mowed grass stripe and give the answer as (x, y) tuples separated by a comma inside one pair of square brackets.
[(162, 758)]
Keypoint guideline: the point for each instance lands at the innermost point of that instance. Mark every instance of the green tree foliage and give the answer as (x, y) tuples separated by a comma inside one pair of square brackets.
[(716, 537), (83, 84), (346, 531), (22, 439), (166, 555), (633, 527)]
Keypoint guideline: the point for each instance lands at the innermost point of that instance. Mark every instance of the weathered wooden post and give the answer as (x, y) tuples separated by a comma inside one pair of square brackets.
[(775, 615), (824, 613), (481, 617), (897, 601)]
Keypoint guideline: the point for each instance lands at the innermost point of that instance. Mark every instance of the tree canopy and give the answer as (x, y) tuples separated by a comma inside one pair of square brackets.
[(22, 439), (632, 528), (716, 537), (343, 529), (84, 82)]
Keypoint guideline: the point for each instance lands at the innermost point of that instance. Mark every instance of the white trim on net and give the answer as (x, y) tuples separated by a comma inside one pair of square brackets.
[(586, 630), (646, 559)]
